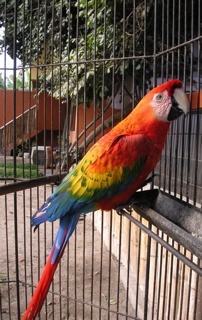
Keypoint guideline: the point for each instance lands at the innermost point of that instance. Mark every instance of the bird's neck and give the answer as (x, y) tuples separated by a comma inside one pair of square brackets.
[(146, 124)]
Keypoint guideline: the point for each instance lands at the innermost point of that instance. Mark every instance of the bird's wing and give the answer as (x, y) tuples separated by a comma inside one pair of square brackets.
[(107, 169)]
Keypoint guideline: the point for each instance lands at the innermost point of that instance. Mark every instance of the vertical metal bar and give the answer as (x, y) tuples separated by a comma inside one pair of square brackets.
[(85, 72), (155, 280), (183, 135), (92, 270), (110, 265), (123, 62), (102, 132), (176, 285), (128, 269), (176, 130), (166, 151), (178, 38), (167, 37), (163, 39), (7, 254), (171, 132), (52, 122), (197, 305), (75, 274), (138, 272), (101, 265), (145, 49), (14, 158), (62, 143), (165, 294), (84, 266), (160, 255), (45, 121), (68, 105), (84, 125), (1, 309), (119, 265), (5, 99), (25, 245), (146, 299), (4, 159), (196, 196), (170, 282), (155, 38), (52, 85), (103, 68), (37, 126), (182, 302), (114, 63), (94, 78), (94, 127), (134, 47), (171, 152), (190, 127), (189, 290), (68, 110), (77, 132), (162, 77), (173, 39), (23, 79)]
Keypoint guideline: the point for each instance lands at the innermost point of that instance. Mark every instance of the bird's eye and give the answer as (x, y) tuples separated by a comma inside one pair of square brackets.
[(159, 97)]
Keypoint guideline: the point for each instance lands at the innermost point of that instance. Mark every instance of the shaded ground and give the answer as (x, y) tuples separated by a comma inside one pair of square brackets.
[(87, 283)]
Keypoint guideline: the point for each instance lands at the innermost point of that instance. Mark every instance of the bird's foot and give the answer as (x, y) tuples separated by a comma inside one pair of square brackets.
[(124, 208), (142, 199)]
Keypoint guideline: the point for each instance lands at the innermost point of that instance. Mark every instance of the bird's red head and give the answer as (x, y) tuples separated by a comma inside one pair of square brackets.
[(165, 102), (170, 86)]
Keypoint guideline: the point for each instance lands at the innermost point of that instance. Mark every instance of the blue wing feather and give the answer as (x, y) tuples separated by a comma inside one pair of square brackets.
[(66, 227)]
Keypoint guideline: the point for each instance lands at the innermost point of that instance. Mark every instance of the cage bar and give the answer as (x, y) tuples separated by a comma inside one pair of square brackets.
[(82, 67)]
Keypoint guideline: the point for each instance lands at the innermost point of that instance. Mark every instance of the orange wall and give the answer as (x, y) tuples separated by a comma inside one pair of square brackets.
[(195, 97), (89, 112), (25, 100), (54, 111)]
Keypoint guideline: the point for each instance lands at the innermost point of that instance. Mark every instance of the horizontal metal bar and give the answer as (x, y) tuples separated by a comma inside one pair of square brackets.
[(181, 45), (31, 183), (180, 256), (46, 65), (173, 230), (82, 302)]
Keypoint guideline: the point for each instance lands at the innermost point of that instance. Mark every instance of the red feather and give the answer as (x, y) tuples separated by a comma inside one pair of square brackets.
[(113, 169)]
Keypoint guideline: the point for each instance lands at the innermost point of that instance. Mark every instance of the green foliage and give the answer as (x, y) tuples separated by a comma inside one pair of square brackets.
[(3, 277), (86, 68), (27, 171), (22, 82), (1, 81), (80, 44), (24, 146)]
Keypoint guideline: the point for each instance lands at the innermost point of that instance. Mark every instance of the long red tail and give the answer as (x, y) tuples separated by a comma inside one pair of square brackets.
[(41, 291), (67, 226)]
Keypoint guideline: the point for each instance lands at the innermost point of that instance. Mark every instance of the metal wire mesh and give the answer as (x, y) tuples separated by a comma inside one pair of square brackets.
[(83, 66)]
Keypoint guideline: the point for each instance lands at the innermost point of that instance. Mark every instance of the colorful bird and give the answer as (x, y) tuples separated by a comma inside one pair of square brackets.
[(108, 175)]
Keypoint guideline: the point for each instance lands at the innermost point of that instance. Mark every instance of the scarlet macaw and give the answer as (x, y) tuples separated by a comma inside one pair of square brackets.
[(112, 170)]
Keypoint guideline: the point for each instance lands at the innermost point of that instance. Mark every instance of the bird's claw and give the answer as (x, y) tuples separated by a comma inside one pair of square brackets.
[(142, 199), (123, 209)]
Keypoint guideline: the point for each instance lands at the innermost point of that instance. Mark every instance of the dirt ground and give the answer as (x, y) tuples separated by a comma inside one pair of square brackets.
[(87, 283)]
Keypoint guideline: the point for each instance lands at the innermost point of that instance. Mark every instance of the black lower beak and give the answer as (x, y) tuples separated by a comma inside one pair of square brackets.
[(175, 111)]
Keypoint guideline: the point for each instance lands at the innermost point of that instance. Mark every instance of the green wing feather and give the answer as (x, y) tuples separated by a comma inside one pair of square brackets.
[(108, 168)]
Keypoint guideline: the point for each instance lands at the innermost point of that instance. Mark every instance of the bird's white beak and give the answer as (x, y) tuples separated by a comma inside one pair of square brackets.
[(182, 100), (179, 106)]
